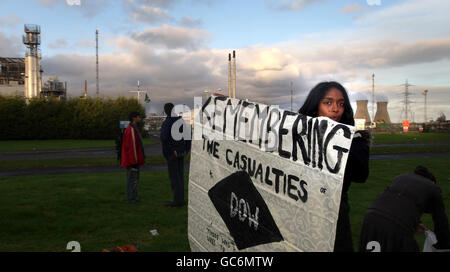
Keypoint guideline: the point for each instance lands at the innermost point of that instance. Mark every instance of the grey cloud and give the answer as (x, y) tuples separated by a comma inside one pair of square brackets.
[(89, 8), (10, 20), (60, 43), (188, 21), (172, 37), (352, 8), (10, 46), (149, 14), (153, 3), (293, 5)]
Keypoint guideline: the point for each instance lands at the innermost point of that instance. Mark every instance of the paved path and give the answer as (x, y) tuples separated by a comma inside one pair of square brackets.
[(98, 152), (109, 169)]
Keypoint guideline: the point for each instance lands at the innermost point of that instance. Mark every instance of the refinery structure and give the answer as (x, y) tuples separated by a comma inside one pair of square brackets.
[(23, 76)]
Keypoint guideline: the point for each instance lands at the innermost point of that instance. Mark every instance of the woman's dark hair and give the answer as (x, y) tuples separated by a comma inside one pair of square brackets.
[(168, 108), (311, 105)]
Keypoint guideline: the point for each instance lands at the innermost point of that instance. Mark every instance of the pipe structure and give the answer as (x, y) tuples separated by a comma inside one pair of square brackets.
[(229, 75), (234, 74)]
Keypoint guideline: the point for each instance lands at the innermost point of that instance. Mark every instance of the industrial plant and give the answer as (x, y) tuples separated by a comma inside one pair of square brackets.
[(23, 76)]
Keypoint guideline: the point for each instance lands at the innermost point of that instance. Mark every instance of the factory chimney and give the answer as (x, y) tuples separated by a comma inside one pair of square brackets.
[(33, 80)]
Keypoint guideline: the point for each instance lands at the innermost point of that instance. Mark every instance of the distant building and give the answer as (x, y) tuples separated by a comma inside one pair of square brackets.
[(54, 88), (12, 76)]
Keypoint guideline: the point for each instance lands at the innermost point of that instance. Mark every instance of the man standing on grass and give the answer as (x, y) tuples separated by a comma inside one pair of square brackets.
[(174, 152), (133, 155)]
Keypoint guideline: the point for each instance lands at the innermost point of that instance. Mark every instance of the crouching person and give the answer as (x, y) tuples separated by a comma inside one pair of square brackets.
[(393, 218)]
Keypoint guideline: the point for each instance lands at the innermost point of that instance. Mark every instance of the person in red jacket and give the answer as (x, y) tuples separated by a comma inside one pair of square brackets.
[(132, 155)]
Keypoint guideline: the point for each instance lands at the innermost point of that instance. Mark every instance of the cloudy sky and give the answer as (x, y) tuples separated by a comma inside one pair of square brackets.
[(179, 48)]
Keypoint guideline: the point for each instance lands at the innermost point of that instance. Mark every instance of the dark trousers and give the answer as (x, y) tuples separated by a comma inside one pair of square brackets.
[(343, 241), (389, 235), (176, 175), (132, 183)]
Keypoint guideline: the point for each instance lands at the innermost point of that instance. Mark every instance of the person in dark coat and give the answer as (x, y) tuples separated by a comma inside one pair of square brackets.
[(393, 217), (330, 99), (174, 152)]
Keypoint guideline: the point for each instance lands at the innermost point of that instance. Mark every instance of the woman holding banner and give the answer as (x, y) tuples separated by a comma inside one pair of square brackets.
[(330, 99)]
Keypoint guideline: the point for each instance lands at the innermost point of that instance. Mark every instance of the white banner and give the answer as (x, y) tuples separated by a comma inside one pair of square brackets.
[(264, 179)]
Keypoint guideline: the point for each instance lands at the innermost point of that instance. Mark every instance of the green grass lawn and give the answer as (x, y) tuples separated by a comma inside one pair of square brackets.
[(410, 137), (409, 149), (43, 213), (59, 144)]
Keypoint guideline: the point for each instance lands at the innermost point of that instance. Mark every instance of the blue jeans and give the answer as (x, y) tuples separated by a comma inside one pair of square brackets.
[(132, 183)]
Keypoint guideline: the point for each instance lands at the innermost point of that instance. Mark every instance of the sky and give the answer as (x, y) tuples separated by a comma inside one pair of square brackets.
[(178, 48)]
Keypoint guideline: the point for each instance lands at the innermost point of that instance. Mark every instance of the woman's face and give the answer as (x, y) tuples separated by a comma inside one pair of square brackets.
[(332, 105)]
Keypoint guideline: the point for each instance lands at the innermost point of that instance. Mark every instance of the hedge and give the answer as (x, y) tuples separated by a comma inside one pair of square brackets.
[(78, 118)]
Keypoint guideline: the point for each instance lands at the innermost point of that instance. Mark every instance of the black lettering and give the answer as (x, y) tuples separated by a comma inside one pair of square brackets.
[(228, 161), (277, 173), (208, 117), (244, 161), (209, 147), (268, 181), (236, 160), (339, 149), (297, 139), (251, 171), (216, 112), (264, 114), (283, 131), (216, 145), (259, 172), (292, 187), (318, 133), (303, 197), (252, 124)]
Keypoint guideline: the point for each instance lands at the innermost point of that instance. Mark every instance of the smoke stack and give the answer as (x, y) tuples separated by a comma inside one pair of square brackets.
[(33, 80), (382, 115), (234, 74), (96, 61), (361, 110), (229, 75), (85, 88)]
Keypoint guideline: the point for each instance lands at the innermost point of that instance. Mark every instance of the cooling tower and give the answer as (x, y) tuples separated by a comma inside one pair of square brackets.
[(382, 115), (361, 110)]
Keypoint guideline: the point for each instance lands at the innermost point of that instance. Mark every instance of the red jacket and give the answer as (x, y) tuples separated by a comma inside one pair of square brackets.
[(132, 148)]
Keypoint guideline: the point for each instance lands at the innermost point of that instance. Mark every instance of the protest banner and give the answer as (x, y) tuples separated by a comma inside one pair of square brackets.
[(264, 179)]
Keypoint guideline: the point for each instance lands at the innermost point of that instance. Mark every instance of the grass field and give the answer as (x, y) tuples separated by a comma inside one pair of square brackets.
[(44, 213), (59, 144), (410, 138), (71, 144)]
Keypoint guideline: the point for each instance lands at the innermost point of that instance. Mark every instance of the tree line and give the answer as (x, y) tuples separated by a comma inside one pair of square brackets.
[(78, 118)]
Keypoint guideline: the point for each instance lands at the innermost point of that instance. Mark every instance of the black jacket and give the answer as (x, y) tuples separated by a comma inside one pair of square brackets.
[(357, 168), (407, 199), (169, 145)]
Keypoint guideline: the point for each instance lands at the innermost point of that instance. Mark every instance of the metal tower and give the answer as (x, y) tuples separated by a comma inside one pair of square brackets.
[(425, 111), (96, 51), (406, 100), (33, 80)]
